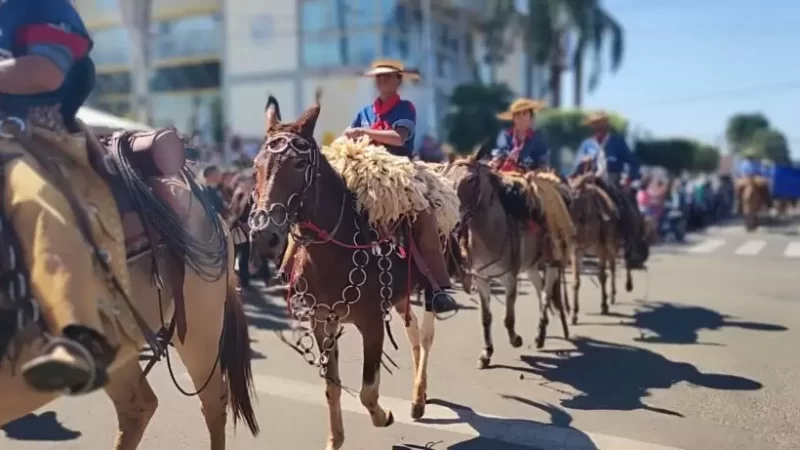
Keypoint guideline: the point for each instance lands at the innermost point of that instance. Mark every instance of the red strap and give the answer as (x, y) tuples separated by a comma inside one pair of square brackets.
[(51, 34)]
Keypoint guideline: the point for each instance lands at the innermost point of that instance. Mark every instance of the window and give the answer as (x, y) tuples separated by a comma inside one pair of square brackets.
[(340, 50), (187, 37), (394, 46), (106, 5), (111, 46), (337, 15)]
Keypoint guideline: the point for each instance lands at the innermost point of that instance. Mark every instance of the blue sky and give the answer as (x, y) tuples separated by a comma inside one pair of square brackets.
[(690, 64)]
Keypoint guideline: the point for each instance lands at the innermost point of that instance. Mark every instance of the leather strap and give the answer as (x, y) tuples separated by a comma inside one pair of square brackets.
[(45, 160)]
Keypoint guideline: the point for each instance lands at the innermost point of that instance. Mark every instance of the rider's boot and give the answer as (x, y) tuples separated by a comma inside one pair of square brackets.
[(71, 289), (425, 231)]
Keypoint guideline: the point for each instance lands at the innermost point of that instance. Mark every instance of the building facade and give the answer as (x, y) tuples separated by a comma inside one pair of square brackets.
[(222, 58), (187, 51)]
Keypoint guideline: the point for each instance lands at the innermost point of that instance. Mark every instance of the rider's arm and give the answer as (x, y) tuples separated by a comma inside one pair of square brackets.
[(580, 157), (50, 53), (403, 127), (628, 158), (541, 152)]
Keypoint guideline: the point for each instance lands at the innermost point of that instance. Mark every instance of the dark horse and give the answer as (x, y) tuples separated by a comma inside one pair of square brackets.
[(343, 272)]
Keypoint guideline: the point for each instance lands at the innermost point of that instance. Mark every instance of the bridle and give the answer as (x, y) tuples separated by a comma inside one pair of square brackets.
[(294, 147)]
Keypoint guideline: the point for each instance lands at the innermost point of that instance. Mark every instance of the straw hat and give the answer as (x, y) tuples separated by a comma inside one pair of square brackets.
[(385, 66), (520, 105), (596, 117)]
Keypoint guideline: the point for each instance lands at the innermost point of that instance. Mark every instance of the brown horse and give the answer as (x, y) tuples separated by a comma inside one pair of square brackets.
[(753, 198), (343, 272), (499, 247), (214, 320), (597, 223)]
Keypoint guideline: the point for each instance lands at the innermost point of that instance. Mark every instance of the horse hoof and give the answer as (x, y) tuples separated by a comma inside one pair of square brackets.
[(628, 286), (575, 320), (516, 341), (604, 310), (540, 342), (483, 362), (389, 419), (417, 411)]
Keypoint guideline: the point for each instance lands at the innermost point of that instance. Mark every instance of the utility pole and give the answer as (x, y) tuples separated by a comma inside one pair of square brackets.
[(429, 66)]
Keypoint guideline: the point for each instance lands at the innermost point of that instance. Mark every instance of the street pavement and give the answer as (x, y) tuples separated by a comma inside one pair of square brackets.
[(700, 356)]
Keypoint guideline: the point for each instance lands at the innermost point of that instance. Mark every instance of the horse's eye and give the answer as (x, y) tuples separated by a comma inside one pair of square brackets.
[(298, 163)]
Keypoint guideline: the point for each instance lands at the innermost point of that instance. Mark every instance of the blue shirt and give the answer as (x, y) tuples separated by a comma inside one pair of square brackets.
[(748, 168), (402, 115), (535, 154), (618, 155), (54, 30)]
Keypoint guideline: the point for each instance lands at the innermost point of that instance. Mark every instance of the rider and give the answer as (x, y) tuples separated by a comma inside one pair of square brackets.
[(610, 154), (45, 76), (521, 148), (391, 121)]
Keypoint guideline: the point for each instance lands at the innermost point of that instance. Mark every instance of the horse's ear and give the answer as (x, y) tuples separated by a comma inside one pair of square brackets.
[(318, 95), (271, 114), (308, 120)]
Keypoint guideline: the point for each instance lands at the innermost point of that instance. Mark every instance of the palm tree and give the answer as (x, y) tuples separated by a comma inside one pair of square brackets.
[(592, 26), (136, 16)]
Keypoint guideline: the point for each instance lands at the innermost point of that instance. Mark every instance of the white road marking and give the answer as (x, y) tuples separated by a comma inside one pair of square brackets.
[(792, 250), (707, 246), (467, 422), (751, 248)]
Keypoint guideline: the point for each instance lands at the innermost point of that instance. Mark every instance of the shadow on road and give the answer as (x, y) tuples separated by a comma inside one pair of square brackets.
[(42, 427), (618, 377), (493, 430), (266, 309), (671, 323)]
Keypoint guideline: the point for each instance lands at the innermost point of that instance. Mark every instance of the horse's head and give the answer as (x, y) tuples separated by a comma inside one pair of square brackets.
[(471, 179), (286, 167)]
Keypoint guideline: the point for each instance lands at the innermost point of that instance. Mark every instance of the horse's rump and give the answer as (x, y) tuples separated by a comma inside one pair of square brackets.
[(389, 188), (548, 189)]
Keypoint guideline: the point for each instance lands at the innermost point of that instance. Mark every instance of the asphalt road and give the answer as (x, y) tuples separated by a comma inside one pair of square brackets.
[(700, 356)]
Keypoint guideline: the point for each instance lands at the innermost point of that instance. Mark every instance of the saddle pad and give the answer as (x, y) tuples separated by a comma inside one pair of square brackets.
[(389, 188)]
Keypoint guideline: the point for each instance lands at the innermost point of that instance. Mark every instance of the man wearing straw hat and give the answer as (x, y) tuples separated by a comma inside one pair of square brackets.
[(610, 155), (392, 122), (520, 148)]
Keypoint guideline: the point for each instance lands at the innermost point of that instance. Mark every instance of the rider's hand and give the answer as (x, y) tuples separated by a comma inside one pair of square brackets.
[(354, 133)]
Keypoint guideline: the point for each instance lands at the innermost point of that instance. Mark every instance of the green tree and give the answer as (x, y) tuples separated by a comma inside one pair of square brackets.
[(706, 158), (742, 127), (678, 154), (472, 116), (771, 144)]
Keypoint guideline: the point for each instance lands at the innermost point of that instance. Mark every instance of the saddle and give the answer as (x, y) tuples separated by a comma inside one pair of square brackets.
[(154, 155)]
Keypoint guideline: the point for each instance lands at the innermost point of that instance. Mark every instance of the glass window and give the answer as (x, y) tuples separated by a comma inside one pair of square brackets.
[(317, 15), (321, 52), (394, 46), (106, 5), (363, 48), (188, 37), (336, 15), (362, 13), (111, 46)]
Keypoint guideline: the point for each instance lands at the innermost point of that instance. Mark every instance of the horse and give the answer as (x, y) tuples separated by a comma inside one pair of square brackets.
[(499, 247), (597, 224), (299, 193), (753, 197), (215, 320)]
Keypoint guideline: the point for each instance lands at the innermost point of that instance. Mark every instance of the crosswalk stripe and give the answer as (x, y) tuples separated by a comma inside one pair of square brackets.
[(792, 250), (751, 248), (707, 246)]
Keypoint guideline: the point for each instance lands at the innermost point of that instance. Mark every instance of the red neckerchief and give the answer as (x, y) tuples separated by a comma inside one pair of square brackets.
[(511, 162), (381, 109)]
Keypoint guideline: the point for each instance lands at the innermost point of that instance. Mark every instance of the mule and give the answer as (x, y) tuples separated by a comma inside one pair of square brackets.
[(753, 197), (499, 248), (597, 224), (343, 271), (215, 320)]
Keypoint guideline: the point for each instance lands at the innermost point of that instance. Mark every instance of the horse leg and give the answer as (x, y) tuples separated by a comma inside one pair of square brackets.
[(601, 276), (577, 266), (420, 394), (135, 403), (484, 296), (558, 299), (538, 285), (201, 350), (612, 266), (509, 281), (333, 384), (372, 335), (628, 278), (413, 335)]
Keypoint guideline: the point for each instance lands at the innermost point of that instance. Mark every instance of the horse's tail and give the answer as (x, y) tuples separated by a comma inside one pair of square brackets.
[(235, 358)]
